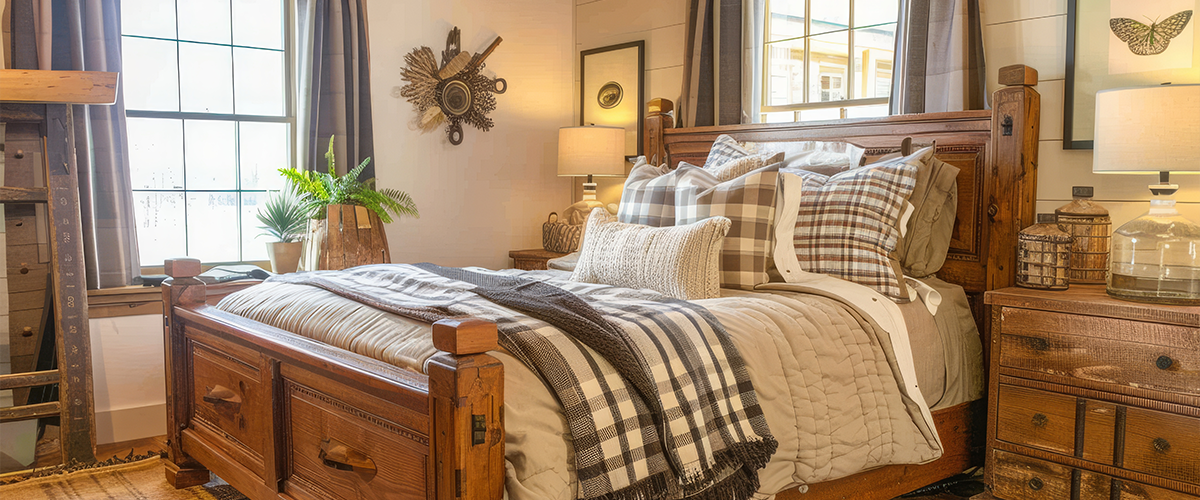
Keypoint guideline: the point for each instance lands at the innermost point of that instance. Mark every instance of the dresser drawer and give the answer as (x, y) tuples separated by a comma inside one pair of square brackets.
[(336, 450), (1017, 477), (1094, 349), (1036, 418), (230, 398), (1163, 444)]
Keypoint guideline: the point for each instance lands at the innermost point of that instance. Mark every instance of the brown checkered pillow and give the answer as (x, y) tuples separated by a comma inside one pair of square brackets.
[(848, 223), (749, 202)]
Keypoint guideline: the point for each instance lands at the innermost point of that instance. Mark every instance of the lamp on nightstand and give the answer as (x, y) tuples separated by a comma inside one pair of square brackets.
[(591, 151), (1155, 257)]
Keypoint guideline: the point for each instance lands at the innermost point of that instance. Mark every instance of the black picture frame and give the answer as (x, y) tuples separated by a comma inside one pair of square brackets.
[(598, 77), (1069, 89)]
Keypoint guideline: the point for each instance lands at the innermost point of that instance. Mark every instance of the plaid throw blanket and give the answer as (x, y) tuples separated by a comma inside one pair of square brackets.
[(656, 396)]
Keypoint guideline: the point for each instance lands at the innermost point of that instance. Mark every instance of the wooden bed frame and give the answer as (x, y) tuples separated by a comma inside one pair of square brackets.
[(281, 416)]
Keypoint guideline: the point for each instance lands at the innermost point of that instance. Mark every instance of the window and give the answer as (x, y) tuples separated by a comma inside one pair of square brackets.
[(828, 59), (209, 121)]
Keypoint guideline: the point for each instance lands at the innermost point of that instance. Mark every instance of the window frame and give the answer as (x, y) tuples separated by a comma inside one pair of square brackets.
[(289, 117), (765, 67)]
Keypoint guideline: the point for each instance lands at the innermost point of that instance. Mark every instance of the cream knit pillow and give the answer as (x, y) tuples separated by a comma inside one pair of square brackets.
[(678, 261)]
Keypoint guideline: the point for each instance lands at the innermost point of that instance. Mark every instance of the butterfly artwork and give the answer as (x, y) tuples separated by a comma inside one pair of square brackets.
[(1149, 40)]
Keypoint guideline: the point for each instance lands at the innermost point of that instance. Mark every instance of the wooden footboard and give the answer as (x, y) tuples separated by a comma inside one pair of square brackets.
[(280, 416)]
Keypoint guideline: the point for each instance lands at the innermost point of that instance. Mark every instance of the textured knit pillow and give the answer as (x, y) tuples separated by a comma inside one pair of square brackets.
[(848, 224), (738, 167), (679, 261), (749, 202)]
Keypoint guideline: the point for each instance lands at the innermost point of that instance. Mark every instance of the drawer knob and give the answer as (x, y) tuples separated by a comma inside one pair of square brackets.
[(337, 455), (1036, 484), (1164, 362), (1040, 420), (1161, 445), (224, 400)]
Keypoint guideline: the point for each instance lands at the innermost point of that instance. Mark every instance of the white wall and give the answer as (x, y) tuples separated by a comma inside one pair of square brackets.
[(128, 378), (1034, 32), (661, 24), (490, 194)]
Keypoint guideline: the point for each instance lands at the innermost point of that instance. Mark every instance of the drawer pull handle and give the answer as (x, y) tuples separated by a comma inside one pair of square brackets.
[(223, 399), (1036, 484), (1040, 420), (336, 455), (1161, 445), (1164, 362)]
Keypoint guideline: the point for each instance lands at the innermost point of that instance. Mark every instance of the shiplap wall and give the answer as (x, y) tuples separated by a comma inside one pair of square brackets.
[(1034, 33), (661, 23)]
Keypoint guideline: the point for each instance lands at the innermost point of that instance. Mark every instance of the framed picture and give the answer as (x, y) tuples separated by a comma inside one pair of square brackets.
[(611, 84), (1124, 43)]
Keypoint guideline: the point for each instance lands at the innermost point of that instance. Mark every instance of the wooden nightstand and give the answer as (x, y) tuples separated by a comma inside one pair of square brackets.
[(1092, 397), (533, 259)]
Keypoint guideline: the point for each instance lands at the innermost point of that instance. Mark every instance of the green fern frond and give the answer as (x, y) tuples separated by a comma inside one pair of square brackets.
[(318, 190)]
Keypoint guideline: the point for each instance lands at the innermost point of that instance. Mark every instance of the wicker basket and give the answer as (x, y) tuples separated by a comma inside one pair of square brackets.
[(1043, 255), (1091, 228)]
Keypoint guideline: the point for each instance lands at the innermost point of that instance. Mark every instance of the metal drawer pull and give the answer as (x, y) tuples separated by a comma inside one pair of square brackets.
[(1036, 484), (1040, 420), (1164, 362), (223, 398), (335, 454), (1161, 445)]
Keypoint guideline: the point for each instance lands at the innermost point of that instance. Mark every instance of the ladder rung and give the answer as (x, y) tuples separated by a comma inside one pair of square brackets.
[(27, 412), (28, 379), (22, 195)]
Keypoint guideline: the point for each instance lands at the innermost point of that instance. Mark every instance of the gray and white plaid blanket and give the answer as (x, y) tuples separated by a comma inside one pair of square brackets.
[(656, 396)]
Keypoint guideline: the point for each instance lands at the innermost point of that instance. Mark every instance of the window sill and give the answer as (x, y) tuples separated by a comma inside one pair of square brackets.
[(142, 300)]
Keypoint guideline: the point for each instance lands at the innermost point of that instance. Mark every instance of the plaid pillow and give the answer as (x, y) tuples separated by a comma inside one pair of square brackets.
[(723, 150), (649, 195), (749, 202), (848, 223)]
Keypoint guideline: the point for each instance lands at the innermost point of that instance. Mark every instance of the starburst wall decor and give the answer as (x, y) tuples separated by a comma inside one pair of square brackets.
[(453, 92)]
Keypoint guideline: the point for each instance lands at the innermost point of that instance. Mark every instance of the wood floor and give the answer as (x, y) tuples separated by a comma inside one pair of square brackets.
[(158, 445)]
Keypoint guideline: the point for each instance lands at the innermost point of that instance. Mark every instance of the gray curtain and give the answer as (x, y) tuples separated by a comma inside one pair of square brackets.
[(712, 66), (333, 84), (85, 35), (939, 64)]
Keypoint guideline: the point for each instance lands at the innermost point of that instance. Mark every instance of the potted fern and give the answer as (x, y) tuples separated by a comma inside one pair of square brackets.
[(346, 215), (285, 219)]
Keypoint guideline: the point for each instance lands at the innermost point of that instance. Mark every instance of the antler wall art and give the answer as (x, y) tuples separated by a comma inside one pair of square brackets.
[(453, 92)]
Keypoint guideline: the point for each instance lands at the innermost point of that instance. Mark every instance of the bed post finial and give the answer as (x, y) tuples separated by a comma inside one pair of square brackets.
[(659, 118), (1015, 126), (465, 336), (182, 267)]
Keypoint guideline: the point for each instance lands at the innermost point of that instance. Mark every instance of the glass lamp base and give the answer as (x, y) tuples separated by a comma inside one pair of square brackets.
[(1156, 258)]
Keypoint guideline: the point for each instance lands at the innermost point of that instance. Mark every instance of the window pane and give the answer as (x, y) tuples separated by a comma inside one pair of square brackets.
[(779, 117), (263, 151), (154, 18), (785, 76), (786, 20), (830, 15), (206, 76), (212, 226), (872, 12), (155, 153), (828, 77), (872, 111), (258, 81), (254, 243), (873, 50), (160, 229), (820, 114), (150, 76), (204, 21), (211, 154), (258, 23)]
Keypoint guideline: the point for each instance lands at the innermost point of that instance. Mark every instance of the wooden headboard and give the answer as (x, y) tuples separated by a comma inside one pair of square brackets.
[(996, 151)]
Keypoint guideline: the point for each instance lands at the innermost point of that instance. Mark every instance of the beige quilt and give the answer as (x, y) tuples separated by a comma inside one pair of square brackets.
[(835, 394)]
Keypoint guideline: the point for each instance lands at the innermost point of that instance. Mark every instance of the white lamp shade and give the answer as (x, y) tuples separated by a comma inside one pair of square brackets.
[(1148, 129), (591, 150)]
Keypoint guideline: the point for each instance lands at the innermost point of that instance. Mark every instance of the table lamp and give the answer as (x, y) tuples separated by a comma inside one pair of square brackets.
[(1155, 257), (591, 151)]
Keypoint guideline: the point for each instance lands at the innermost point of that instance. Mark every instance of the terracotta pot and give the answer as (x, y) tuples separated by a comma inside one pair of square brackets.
[(285, 257)]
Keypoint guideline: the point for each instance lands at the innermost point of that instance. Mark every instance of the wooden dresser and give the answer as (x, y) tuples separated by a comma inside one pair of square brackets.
[(1091, 397), (534, 259)]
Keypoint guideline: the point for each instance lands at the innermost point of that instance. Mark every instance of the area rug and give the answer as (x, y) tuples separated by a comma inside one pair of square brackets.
[(141, 480)]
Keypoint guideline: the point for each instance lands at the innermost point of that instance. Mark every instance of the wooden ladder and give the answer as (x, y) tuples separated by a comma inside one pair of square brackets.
[(45, 98)]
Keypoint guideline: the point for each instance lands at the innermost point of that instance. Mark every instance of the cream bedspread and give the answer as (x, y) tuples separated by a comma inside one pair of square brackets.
[(835, 394)]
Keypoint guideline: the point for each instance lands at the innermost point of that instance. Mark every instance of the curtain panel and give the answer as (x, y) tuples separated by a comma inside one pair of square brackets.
[(712, 66), (333, 84), (939, 62), (85, 35)]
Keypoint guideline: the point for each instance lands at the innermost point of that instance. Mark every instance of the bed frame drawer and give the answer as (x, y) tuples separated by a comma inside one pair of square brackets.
[(336, 449), (231, 400)]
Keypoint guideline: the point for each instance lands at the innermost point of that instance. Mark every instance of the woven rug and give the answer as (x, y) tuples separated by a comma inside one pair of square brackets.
[(142, 480)]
